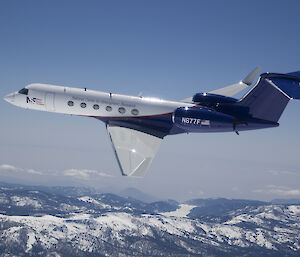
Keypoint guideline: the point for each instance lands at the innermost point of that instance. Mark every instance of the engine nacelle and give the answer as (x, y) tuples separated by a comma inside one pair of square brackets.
[(211, 99), (200, 119)]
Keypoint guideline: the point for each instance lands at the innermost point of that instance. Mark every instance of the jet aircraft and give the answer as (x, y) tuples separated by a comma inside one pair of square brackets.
[(137, 125)]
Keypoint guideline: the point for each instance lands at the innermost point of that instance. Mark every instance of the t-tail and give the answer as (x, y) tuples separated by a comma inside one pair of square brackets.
[(268, 99)]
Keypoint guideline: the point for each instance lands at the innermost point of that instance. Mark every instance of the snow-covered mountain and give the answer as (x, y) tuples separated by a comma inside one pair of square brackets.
[(44, 223)]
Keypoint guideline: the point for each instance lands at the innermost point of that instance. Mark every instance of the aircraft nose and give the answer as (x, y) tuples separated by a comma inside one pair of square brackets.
[(10, 98)]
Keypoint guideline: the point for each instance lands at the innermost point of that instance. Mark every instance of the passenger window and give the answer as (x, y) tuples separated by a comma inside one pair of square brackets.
[(108, 108), (23, 91), (134, 111), (96, 106), (71, 103), (122, 110), (83, 105)]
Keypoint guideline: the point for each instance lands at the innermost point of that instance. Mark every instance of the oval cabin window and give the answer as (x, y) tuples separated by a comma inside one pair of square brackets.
[(108, 108), (122, 110), (71, 103), (96, 106), (134, 111), (83, 105)]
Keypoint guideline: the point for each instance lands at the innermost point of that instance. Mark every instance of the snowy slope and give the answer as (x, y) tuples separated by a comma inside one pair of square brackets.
[(106, 225)]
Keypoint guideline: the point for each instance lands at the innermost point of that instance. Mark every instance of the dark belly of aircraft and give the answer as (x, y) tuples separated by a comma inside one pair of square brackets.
[(192, 120)]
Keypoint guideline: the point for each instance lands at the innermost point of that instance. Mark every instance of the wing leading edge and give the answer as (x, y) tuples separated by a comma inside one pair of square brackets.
[(232, 90), (134, 150)]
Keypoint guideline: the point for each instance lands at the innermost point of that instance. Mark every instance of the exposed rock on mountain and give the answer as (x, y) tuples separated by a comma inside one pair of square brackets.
[(39, 223)]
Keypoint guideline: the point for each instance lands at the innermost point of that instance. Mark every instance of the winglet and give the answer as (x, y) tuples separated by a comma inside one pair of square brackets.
[(251, 76), (238, 87), (232, 90)]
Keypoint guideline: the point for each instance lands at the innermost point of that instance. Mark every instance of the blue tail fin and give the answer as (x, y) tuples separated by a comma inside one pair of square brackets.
[(268, 99)]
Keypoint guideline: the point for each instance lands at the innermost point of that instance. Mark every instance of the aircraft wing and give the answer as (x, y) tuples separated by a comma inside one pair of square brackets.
[(232, 90), (134, 150)]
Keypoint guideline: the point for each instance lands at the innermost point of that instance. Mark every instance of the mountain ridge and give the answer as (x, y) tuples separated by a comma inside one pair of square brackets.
[(39, 223)]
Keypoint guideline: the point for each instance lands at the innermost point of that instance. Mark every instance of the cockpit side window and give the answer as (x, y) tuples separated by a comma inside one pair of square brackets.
[(23, 91)]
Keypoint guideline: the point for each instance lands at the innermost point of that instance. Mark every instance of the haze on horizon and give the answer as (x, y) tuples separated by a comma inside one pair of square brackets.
[(166, 49)]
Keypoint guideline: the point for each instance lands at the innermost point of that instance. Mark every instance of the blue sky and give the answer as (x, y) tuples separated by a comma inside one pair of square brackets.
[(167, 49)]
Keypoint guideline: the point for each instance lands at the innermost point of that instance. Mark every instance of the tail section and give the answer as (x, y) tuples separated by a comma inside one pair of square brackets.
[(268, 99)]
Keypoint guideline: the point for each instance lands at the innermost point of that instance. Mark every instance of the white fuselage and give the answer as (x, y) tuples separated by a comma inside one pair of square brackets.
[(84, 102)]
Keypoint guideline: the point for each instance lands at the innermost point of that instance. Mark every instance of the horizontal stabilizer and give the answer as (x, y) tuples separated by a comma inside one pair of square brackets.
[(268, 99), (288, 84), (295, 73)]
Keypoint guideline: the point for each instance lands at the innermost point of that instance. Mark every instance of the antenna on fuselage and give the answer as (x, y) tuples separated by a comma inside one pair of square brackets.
[(234, 128)]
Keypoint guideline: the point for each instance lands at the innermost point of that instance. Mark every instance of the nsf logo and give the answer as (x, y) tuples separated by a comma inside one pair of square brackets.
[(34, 100)]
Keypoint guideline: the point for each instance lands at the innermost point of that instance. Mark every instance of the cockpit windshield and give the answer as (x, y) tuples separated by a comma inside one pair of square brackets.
[(23, 91)]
